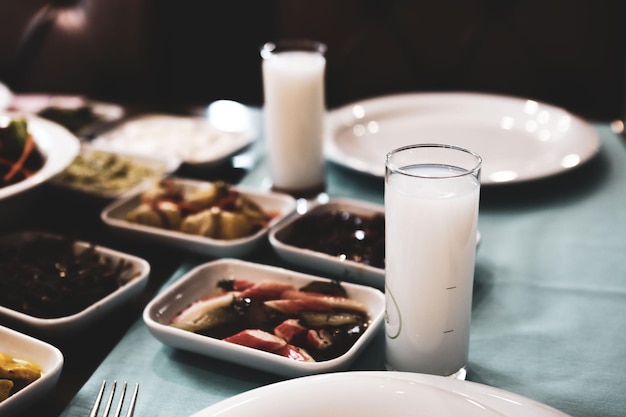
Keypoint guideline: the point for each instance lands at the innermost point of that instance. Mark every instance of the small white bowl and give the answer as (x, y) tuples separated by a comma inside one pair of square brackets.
[(203, 279), (137, 281), (115, 214), (344, 269), (37, 352)]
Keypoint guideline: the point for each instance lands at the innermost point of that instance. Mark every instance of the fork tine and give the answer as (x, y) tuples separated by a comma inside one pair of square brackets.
[(133, 400), (110, 400), (96, 404), (118, 410)]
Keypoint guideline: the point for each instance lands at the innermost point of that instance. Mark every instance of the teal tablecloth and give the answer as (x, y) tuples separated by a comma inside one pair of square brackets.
[(549, 313)]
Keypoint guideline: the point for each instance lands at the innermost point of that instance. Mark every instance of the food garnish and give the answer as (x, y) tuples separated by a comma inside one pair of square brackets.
[(215, 210), (19, 156), (48, 277), (277, 317), (16, 374)]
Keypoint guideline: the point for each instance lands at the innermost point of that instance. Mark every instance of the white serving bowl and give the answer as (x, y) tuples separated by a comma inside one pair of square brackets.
[(59, 147), (37, 352), (135, 283), (115, 214), (203, 279), (344, 269)]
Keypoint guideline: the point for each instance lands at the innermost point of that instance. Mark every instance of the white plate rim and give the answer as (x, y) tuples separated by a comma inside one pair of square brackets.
[(476, 395), (579, 129), (58, 144)]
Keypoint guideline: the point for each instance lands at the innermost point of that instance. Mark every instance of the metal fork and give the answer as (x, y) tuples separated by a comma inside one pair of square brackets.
[(120, 403)]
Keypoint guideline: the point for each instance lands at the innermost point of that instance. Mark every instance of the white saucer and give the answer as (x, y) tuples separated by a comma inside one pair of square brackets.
[(378, 393), (518, 139)]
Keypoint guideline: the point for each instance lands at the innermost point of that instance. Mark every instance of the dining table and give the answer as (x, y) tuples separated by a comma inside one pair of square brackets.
[(548, 317)]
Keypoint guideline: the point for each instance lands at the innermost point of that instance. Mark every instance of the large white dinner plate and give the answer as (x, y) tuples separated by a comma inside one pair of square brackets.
[(57, 144), (518, 139), (375, 394)]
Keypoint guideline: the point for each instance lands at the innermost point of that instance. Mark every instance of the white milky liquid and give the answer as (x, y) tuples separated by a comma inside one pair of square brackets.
[(429, 271), (294, 117)]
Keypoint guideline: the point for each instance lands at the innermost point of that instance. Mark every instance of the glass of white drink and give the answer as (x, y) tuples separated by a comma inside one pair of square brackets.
[(294, 109), (431, 215)]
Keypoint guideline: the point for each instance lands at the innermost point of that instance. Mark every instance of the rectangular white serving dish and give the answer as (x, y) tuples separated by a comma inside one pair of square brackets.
[(203, 279), (343, 269), (135, 284), (115, 214), (47, 357)]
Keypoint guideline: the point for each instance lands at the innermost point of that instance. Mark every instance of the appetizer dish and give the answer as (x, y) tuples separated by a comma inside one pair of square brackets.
[(20, 157), (109, 174), (50, 281), (266, 317), (211, 218), (344, 238), (29, 369), (195, 140)]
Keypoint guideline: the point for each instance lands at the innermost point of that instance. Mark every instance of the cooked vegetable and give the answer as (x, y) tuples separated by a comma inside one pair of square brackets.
[(48, 277), (15, 375), (215, 210), (19, 156)]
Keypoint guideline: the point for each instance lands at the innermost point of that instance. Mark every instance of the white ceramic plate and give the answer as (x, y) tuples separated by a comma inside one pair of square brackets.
[(375, 394), (46, 356), (6, 97), (202, 280), (135, 284), (58, 145), (115, 214), (333, 266), (518, 139), (197, 141)]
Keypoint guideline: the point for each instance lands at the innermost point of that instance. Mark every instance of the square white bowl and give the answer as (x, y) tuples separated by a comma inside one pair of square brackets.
[(202, 280), (47, 357), (334, 266), (115, 214), (135, 283)]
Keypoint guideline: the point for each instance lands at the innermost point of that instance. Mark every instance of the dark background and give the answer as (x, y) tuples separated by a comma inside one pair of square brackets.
[(171, 52)]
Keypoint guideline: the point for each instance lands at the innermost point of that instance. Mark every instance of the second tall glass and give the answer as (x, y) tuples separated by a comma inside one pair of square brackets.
[(431, 216)]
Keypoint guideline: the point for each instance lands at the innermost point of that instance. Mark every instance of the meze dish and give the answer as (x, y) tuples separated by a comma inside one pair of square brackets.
[(51, 282), (209, 218), (269, 318)]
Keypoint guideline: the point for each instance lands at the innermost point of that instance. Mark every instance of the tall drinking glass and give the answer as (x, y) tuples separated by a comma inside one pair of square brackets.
[(431, 215), (294, 108)]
